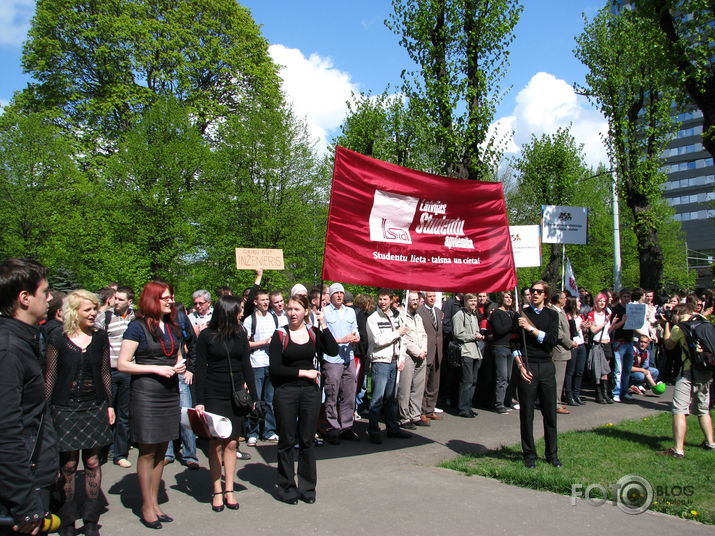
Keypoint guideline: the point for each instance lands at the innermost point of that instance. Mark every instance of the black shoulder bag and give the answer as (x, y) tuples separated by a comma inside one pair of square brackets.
[(241, 398)]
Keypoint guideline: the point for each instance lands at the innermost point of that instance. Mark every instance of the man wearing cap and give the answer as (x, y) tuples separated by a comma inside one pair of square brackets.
[(340, 370)]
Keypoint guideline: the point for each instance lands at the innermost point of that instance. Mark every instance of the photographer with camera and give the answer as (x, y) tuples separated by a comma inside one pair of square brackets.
[(670, 362)]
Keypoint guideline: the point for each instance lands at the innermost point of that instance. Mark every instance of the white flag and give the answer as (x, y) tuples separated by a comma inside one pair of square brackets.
[(570, 283)]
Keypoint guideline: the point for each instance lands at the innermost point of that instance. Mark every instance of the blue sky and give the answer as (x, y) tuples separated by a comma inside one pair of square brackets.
[(329, 48)]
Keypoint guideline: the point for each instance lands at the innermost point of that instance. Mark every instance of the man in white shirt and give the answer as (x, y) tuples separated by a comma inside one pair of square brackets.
[(260, 327)]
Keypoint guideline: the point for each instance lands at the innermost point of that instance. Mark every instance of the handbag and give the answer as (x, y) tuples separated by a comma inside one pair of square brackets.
[(241, 398), (454, 354)]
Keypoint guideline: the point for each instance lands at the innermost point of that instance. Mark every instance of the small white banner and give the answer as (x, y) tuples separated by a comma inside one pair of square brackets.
[(526, 245), (564, 225)]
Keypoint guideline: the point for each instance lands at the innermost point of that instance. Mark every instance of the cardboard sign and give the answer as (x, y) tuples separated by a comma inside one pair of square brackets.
[(526, 245), (564, 225), (251, 259)]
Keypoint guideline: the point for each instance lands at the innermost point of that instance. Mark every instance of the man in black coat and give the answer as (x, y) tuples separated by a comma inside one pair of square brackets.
[(24, 427), (538, 374)]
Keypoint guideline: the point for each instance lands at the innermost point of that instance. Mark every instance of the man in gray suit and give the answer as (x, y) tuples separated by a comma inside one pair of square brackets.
[(432, 317), (561, 352)]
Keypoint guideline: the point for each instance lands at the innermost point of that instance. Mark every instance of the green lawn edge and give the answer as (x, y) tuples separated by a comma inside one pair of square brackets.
[(603, 455)]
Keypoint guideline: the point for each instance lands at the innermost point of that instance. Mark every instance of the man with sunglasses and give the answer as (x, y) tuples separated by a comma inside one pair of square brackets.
[(538, 374)]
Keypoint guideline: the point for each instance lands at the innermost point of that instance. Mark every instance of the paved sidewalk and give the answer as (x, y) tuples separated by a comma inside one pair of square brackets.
[(394, 488)]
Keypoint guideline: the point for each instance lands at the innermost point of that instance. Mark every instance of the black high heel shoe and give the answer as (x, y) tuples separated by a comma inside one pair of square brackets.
[(217, 508), (165, 518), (230, 505), (150, 524)]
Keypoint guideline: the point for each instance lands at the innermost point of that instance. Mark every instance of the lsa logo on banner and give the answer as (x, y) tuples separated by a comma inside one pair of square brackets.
[(392, 215)]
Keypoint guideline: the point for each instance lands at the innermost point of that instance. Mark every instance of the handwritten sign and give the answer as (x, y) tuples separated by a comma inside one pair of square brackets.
[(251, 259)]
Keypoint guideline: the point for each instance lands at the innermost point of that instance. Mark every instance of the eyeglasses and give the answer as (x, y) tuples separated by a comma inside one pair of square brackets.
[(199, 303), (537, 290), (167, 298)]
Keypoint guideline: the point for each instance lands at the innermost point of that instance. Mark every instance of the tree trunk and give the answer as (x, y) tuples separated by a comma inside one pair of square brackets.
[(551, 273)]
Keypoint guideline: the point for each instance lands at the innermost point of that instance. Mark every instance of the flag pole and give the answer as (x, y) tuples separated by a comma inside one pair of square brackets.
[(524, 355)]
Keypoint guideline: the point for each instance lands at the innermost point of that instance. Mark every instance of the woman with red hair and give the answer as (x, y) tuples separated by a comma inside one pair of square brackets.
[(151, 353)]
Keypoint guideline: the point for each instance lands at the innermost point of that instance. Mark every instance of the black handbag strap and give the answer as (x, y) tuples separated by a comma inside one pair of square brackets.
[(35, 454), (230, 368)]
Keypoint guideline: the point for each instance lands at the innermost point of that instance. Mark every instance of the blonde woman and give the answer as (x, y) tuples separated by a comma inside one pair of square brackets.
[(78, 387)]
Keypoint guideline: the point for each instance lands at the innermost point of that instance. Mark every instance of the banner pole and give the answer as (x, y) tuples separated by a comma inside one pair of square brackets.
[(524, 355), (563, 266)]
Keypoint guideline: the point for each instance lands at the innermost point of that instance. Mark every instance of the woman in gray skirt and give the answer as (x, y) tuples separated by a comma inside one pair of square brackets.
[(78, 387), (151, 352)]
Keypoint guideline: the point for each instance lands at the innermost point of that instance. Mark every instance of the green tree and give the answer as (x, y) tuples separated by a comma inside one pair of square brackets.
[(628, 82), (149, 183), (550, 168), (101, 62), (687, 30), (461, 50)]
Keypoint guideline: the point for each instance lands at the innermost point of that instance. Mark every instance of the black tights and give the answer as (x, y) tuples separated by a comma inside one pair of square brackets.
[(92, 483)]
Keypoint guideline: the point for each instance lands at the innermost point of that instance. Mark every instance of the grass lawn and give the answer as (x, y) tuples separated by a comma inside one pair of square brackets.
[(681, 487)]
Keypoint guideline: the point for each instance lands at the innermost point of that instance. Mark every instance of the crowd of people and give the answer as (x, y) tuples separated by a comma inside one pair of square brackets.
[(293, 370)]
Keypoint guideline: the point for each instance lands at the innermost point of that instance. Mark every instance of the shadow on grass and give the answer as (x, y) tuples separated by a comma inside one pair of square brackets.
[(654, 442)]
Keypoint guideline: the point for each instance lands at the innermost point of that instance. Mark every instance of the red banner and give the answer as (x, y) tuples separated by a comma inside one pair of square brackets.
[(395, 227)]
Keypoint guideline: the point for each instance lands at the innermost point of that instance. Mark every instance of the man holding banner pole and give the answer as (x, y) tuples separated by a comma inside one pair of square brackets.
[(538, 374)]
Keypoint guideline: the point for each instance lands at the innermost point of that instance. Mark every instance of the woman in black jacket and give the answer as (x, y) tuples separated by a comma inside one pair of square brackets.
[(78, 387), (294, 352), (222, 350)]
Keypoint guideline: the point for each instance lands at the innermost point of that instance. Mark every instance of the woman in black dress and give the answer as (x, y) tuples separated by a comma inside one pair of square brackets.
[(294, 352), (151, 352), (78, 387), (222, 349)]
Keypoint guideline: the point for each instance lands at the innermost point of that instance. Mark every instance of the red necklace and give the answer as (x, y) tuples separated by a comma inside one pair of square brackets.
[(161, 341)]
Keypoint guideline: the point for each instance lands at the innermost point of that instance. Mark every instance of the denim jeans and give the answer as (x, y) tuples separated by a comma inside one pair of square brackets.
[(121, 382), (188, 439), (264, 387), (468, 383), (503, 364), (574, 371), (637, 378), (384, 387), (623, 358)]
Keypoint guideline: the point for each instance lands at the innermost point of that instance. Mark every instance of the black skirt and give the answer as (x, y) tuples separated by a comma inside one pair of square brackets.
[(83, 425), (154, 408), (227, 408)]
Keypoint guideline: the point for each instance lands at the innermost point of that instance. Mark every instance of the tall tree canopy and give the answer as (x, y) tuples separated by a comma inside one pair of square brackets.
[(461, 48), (629, 82), (687, 29), (101, 62)]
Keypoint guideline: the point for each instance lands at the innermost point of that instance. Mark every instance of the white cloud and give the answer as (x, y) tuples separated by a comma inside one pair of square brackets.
[(547, 103), (15, 16), (316, 88)]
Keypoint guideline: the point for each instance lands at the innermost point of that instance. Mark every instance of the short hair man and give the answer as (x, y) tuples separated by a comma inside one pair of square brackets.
[(411, 388), (385, 331), (106, 299), (642, 371), (561, 352), (692, 389), (260, 326), (538, 374), (115, 323), (278, 307), (201, 315), (467, 333), (24, 425), (341, 370), (432, 318)]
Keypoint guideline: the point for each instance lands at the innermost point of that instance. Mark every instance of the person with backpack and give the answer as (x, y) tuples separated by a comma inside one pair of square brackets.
[(694, 335), (294, 353), (260, 326)]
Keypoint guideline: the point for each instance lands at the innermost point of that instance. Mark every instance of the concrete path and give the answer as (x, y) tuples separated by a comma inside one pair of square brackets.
[(394, 489)]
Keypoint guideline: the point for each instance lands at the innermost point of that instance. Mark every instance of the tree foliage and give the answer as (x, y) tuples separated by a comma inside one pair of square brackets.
[(100, 63), (686, 29), (461, 48), (628, 82)]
